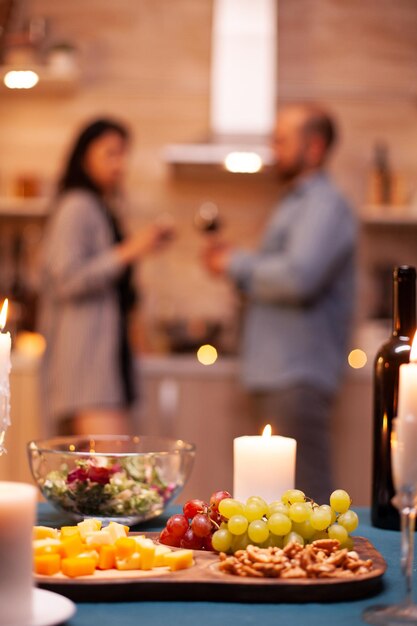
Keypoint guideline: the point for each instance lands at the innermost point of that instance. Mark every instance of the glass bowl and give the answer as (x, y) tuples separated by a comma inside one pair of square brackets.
[(112, 478)]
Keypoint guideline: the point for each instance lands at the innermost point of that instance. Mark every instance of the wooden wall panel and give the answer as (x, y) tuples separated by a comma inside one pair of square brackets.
[(148, 63)]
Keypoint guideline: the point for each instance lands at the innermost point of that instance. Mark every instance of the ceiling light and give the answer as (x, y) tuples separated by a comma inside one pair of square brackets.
[(243, 162), (21, 79)]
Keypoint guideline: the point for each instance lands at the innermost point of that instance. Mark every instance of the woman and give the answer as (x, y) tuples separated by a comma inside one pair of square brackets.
[(86, 289)]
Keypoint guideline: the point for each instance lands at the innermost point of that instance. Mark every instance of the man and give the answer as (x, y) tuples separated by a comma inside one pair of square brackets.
[(299, 287)]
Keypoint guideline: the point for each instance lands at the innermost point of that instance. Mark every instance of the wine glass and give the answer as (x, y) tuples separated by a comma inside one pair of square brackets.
[(4, 419), (207, 219), (404, 463)]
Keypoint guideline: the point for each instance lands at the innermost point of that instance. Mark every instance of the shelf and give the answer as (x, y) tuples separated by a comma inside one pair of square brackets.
[(51, 81), (384, 215), (24, 207)]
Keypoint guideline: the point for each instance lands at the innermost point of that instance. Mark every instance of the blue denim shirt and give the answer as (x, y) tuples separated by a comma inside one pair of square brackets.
[(300, 290)]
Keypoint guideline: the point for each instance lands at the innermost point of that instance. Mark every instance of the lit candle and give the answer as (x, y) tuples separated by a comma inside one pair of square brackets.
[(17, 517), (5, 366), (263, 466), (407, 389), (405, 442)]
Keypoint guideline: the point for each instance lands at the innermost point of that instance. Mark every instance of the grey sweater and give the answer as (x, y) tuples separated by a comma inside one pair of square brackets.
[(79, 314), (300, 290)]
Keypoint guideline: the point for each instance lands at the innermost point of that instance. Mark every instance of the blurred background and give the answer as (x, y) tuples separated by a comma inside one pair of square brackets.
[(158, 65)]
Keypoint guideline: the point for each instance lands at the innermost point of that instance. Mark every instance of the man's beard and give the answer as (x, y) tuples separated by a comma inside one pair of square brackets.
[(290, 173)]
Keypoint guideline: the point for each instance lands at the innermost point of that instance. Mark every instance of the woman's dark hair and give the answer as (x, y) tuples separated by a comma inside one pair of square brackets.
[(74, 175)]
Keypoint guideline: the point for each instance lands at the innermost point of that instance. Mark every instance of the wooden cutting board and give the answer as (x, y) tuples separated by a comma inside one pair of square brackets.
[(205, 582)]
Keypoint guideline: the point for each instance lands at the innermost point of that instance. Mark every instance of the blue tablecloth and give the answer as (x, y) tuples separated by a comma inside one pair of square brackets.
[(219, 613)]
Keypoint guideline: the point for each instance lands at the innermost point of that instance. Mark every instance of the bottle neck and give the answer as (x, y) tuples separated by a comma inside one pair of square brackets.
[(404, 318)]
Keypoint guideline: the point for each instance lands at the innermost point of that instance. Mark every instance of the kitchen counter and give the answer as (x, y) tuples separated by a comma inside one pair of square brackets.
[(187, 365), (184, 365), (206, 405)]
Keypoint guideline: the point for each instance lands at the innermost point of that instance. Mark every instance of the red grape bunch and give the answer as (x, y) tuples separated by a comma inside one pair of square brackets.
[(194, 527)]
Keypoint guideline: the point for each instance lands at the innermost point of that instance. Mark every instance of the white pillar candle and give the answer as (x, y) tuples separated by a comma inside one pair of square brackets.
[(263, 466), (17, 517), (5, 366), (404, 446)]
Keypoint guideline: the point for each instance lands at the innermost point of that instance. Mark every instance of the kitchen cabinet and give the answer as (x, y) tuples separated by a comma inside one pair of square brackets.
[(388, 216), (203, 405), (26, 419), (24, 207)]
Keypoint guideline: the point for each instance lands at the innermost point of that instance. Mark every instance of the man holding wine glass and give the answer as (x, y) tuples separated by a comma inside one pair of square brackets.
[(299, 287)]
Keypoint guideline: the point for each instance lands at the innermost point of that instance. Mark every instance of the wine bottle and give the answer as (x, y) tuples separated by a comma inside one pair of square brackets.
[(386, 372), (382, 175)]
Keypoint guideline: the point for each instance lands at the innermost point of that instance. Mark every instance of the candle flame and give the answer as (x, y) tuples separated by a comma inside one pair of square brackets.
[(267, 431), (413, 353), (3, 314)]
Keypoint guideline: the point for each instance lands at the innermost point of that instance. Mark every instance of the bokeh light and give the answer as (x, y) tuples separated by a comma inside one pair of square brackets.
[(207, 354), (357, 359)]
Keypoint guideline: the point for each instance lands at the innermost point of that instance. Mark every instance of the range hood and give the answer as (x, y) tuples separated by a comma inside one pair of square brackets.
[(242, 89)]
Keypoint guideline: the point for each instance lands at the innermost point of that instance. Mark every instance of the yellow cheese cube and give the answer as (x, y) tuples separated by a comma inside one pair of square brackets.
[(107, 557), (146, 549), (46, 546), (116, 531), (77, 566), (160, 551), (44, 532), (125, 547), (179, 559), (68, 531), (72, 546), (88, 526), (131, 562), (47, 564)]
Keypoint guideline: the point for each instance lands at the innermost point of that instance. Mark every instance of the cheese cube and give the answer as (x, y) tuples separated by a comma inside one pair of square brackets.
[(146, 549), (107, 557), (90, 554), (46, 546), (125, 547), (98, 538), (72, 546), (47, 564), (131, 562), (68, 531), (77, 566), (179, 559), (44, 532), (116, 531), (88, 526), (160, 551)]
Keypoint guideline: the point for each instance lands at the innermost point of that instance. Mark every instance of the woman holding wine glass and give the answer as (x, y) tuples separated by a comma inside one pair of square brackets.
[(87, 292)]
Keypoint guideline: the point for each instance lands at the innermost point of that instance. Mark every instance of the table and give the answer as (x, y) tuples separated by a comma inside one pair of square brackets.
[(219, 613)]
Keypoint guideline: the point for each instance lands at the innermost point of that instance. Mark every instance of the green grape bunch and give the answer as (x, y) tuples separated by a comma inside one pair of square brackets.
[(293, 518)]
